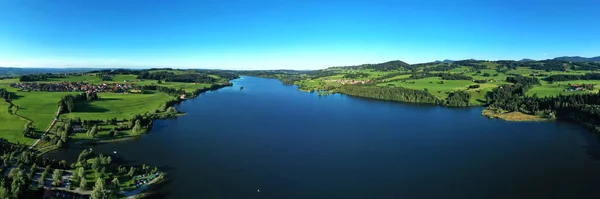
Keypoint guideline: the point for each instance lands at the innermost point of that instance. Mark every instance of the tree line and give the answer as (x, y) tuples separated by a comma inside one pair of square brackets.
[(580, 108), (172, 77), (588, 76), (39, 77), (390, 93)]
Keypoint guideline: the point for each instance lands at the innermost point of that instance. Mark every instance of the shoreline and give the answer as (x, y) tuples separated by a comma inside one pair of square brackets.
[(486, 112), (141, 191), (513, 116)]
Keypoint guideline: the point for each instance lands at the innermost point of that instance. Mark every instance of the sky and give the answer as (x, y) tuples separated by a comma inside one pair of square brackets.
[(289, 34)]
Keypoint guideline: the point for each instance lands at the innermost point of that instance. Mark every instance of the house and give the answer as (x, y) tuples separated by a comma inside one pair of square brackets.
[(182, 96)]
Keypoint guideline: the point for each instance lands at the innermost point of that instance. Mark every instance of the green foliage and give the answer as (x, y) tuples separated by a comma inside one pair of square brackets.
[(137, 128), (99, 192), (83, 184), (387, 93), (457, 99)]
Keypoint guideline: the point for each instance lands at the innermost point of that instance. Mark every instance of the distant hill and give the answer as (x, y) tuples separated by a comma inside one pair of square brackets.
[(445, 61), (14, 72), (578, 59), (386, 66), (526, 60)]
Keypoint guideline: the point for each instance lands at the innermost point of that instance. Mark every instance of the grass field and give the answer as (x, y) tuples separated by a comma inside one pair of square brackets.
[(433, 85), (40, 107), (120, 106), (11, 126), (547, 89)]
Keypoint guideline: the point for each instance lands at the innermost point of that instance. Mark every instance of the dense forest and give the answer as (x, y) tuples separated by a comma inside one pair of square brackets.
[(390, 93)]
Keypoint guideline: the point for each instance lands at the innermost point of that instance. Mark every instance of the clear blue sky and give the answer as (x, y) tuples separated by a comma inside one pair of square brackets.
[(302, 34)]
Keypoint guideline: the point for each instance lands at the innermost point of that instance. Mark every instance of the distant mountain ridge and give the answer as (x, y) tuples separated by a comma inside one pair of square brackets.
[(577, 59), (445, 61)]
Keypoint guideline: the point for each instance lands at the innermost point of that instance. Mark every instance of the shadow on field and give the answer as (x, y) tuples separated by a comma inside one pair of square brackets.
[(87, 107), (107, 99), (15, 96)]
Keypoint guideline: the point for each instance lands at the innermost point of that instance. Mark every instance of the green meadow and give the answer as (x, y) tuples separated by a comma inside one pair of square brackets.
[(117, 105), (11, 126), (40, 107)]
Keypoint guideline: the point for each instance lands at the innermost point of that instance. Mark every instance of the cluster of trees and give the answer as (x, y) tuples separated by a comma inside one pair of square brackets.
[(103, 165), (442, 67), (423, 75), (453, 76), (474, 86), (4, 94), (588, 76), (457, 99), (28, 130), (67, 103), (39, 77), (164, 89), (525, 81), (390, 93)]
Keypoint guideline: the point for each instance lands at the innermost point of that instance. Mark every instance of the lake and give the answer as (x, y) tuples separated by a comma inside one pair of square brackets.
[(292, 144)]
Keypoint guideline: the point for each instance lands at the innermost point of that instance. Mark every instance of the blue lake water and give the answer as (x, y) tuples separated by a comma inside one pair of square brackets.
[(292, 144)]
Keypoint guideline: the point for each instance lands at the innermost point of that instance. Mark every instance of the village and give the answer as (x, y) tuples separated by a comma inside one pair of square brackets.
[(77, 87), (580, 87), (349, 81)]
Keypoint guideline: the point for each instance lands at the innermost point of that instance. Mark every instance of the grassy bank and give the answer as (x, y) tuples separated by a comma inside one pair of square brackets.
[(513, 116)]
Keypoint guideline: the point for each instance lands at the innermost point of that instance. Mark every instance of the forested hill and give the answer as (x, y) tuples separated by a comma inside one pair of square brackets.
[(387, 66), (578, 59)]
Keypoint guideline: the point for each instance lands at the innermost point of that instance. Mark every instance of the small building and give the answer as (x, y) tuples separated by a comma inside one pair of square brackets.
[(182, 96), (77, 128), (135, 91)]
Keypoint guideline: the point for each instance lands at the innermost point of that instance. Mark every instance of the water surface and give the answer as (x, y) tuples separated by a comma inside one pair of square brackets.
[(292, 144)]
